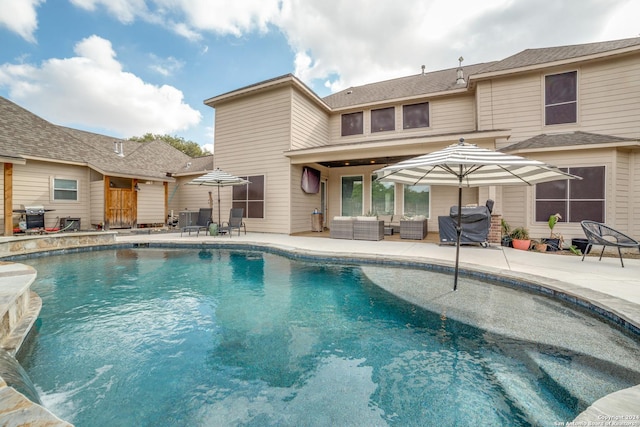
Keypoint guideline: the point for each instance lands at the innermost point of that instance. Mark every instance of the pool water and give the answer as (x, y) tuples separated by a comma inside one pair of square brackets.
[(175, 337)]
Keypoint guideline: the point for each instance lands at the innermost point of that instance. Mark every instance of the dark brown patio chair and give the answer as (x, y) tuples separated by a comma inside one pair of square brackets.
[(600, 234)]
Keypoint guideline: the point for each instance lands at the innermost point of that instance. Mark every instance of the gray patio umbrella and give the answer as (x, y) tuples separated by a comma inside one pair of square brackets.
[(466, 165), (218, 178)]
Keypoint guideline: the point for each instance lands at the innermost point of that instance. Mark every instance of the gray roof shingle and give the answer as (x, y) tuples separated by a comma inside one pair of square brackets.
[(530, 57), (404, 87), (567, 139)]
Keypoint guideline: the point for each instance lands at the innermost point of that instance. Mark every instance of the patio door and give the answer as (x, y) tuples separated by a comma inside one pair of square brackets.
[(120, 203)]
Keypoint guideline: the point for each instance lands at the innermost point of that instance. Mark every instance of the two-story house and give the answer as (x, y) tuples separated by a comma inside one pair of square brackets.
[(576, 107)]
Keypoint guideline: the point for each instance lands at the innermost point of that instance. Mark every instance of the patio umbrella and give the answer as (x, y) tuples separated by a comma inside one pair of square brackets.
[(218, 178), (466, 165)]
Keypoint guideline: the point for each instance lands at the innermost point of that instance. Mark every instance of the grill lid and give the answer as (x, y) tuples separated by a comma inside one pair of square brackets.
[(33, 209)]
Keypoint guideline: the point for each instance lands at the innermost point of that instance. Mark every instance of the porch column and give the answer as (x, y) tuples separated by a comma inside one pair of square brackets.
[(8, 199)]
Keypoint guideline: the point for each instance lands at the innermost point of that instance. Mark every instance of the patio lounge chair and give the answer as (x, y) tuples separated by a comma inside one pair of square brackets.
[(235, 222), (600, 234), (204, 219)]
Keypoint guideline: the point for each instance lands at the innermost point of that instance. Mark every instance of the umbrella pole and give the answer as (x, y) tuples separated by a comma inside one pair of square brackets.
[(219, 223), (458, 232)]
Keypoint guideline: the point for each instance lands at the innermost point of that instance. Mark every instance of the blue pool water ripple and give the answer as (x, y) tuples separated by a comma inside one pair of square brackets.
[(185, 337)]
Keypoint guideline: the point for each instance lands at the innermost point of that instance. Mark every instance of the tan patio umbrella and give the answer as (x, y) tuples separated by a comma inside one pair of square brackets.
[(218, 178), (466, 165)]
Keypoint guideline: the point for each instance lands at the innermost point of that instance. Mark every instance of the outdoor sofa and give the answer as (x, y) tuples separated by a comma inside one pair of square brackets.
[(356, 228)]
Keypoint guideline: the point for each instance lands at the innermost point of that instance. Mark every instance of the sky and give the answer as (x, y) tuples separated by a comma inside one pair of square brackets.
[(125, 68)]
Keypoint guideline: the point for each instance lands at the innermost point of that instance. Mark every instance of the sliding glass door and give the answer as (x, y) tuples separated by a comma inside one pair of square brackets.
[(351, 196)]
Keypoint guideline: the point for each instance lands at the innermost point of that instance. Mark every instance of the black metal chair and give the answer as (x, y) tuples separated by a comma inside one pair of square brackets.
[(204, 219), (600, 234), (235, 222)]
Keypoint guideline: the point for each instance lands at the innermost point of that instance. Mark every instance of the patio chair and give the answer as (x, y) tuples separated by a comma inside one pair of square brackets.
[(235, 222), (202, 223), (600, 234)]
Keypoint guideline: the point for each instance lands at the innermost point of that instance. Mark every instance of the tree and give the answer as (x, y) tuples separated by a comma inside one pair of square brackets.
[(190, 148)]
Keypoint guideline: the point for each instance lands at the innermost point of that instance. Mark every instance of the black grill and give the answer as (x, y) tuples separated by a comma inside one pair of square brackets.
[(33, 215)]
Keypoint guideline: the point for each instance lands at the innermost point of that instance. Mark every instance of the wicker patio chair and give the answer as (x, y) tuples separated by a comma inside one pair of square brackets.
[(370, 229), (413, 229), (341, 228)]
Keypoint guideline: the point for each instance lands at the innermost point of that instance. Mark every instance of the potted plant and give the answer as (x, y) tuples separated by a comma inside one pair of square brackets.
[(540, 245), (506, 233), (520, 238), (555, 241)]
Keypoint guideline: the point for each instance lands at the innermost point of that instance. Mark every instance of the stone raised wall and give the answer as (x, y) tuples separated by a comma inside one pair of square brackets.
[(18, 245)]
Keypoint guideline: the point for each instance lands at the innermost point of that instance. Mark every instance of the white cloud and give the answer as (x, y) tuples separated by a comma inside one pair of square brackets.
[(340, 43), (125, 11), (92, 88), (20, 17), (165, 66)]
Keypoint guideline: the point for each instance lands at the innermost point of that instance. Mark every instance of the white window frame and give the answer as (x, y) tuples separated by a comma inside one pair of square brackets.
[(54, 189)]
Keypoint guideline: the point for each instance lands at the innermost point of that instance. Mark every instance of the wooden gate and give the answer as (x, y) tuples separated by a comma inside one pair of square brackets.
[(120, 208)]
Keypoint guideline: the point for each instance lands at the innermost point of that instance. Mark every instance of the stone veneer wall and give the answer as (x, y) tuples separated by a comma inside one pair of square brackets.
[(19, 309), (18, 245)]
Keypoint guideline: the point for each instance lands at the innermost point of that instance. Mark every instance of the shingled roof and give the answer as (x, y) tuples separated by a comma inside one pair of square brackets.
[(25, 135), (531, 57), (567, 139), (402, 88)]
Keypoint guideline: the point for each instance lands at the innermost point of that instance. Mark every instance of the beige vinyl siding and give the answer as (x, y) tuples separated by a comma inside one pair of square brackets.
[(251, 135), (608, 101), (511, 103), (454, 114), (193, 197), (32, 185), (150, 203), (309, 124), (97, 203), (634, 195), (609, 98), (621, 190)]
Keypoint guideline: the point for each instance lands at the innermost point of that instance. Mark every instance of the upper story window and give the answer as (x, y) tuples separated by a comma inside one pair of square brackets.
[(560, 95), (352, 124), (383, 119), (65, 189), (415, 115)]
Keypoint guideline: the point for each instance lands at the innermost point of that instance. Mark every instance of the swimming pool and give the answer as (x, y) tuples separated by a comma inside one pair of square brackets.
[(181, 337)]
